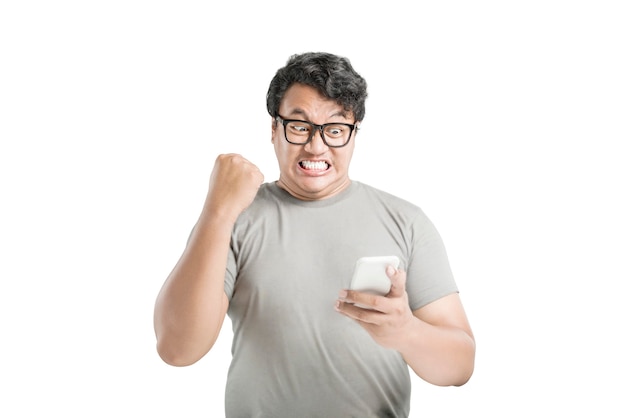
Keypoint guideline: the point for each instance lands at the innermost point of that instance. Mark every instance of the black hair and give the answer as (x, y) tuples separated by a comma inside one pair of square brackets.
[(332, 75)]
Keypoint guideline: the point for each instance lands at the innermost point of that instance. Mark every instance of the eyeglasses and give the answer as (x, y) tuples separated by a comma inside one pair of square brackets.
[(301, 132)]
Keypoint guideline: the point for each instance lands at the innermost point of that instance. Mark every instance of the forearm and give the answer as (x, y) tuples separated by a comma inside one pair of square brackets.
[(191, 306), (440, 355)]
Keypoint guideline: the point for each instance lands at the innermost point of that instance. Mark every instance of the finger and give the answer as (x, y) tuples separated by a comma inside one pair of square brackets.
[(364, 300), (360, 314), (398, 281), (368, 300)]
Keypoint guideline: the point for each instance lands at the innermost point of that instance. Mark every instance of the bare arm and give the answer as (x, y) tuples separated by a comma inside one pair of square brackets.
[(436, 340), (191, 306), (441, 347)]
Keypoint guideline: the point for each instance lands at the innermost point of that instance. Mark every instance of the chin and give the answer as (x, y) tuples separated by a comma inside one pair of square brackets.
[(314, 185)]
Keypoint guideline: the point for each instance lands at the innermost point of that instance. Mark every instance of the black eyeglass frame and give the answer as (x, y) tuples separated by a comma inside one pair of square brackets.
[(316, 127)]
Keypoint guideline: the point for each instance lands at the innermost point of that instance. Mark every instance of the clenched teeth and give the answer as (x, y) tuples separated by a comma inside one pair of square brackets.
[(314, 165)]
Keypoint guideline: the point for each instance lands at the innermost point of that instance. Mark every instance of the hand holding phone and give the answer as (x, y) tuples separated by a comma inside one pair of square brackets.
[(370, 274)]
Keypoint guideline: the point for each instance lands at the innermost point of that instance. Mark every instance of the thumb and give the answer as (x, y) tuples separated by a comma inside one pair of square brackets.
[(398, 281)]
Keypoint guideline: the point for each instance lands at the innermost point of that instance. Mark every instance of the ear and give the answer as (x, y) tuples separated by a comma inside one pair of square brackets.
[(274, 127), (357, 128)]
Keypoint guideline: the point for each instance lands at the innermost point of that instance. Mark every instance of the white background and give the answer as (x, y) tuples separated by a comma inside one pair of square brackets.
[(504, 121)]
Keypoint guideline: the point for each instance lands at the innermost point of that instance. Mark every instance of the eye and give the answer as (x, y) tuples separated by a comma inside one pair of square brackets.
[(335, 130), (299, 128)]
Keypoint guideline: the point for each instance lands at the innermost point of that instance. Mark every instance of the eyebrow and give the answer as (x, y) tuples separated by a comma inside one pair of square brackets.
[(299, 112)]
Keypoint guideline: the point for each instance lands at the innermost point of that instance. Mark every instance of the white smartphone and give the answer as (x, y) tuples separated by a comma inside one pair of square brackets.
[(370, 274)]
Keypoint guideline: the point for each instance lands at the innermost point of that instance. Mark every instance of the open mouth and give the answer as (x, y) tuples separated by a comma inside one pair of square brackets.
[(314, 165)]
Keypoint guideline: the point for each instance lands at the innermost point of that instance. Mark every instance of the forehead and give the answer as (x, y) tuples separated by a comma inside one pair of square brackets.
[(305, 101)]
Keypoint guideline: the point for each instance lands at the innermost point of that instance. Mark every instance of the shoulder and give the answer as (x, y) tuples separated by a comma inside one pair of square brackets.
[(391, 202), (268, 194)]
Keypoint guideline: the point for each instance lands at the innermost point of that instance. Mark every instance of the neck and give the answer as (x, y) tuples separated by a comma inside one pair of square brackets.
[(314, 195)]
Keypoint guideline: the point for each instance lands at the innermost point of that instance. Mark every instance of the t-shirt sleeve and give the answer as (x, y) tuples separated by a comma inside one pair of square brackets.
[(231, 273), (429, 276)]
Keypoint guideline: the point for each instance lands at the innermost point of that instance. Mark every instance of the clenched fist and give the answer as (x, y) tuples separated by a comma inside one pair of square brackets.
[(234, 184)]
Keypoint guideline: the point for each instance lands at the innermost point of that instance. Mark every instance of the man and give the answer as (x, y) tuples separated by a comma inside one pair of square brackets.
[(278, 258)]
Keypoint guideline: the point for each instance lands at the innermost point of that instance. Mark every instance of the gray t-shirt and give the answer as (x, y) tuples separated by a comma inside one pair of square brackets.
[(293, 354)]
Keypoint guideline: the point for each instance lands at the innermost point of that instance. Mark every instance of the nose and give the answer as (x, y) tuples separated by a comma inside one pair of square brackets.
[(316, 145)]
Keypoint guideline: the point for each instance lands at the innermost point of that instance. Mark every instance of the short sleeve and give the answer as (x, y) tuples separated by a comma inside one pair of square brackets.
[(429, 276)]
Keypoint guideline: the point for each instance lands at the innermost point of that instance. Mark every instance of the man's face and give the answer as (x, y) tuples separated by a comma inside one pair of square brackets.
[(313, 171)]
